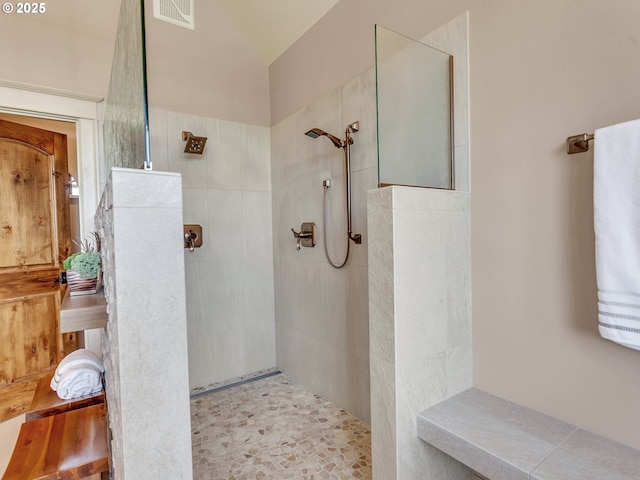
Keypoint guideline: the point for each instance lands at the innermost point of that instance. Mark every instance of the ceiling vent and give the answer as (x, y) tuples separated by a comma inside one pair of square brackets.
[(177, 12)]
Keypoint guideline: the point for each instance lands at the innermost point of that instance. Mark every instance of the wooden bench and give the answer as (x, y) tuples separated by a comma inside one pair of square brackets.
[(46, 401), (61, 438)]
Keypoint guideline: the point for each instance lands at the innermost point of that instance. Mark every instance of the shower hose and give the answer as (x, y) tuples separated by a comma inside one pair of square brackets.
[(324, 233)]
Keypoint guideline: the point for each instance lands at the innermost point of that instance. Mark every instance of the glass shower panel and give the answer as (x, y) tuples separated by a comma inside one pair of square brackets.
[(414, 107), (126, 125)]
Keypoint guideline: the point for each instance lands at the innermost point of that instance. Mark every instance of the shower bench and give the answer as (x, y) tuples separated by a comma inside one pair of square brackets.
[(501, 440), (60, 438)]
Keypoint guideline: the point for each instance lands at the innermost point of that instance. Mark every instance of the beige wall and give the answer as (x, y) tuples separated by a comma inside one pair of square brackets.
[(68, 47), (211, 71), (340, 46), (9, 431), (540, 71)]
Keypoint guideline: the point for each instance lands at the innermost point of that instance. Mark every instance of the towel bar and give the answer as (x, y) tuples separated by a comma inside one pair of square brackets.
[(579, 143)]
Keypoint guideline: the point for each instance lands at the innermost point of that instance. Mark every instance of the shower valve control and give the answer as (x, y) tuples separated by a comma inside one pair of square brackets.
[(306, 237), (192, 237)]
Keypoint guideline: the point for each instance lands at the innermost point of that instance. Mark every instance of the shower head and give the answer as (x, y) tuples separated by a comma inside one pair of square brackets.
[(317, 132), (194, 144)]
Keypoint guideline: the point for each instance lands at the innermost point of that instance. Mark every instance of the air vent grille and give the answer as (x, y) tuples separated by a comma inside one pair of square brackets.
[(176, 12)]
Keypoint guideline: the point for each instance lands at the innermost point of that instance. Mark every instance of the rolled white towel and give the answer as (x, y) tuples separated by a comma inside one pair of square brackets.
[(81, 357), (78, 381)]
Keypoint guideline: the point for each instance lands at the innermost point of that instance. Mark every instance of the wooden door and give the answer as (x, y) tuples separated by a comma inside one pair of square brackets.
[(34, 241)]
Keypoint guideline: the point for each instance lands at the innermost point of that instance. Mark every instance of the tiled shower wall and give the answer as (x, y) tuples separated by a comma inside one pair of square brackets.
[(253, 301), (229, 280), (322, 318)]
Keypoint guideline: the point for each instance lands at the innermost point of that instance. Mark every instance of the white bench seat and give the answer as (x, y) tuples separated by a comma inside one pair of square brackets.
[(501, 440)]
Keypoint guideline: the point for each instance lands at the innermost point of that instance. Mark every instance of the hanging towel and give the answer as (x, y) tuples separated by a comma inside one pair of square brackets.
[(616, 198)]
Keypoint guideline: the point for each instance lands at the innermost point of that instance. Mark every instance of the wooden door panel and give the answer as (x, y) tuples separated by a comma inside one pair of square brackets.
[(34, 240), (40, 333), (24, 283), (32, 337), (11, 354), (26, 206), (63, 218), (37, 137)]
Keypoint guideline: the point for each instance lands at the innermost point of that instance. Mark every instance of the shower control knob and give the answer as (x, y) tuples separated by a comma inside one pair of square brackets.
[(306, 236)]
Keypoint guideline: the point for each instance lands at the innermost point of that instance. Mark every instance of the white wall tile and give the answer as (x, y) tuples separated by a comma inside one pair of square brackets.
[(383, 420), (359, 103), (225, 223), (380, 276), (225, 155), (229, 280), (322, 309), (256, 166), (195, 211), (361, 182), (357, 317), (257, 237)]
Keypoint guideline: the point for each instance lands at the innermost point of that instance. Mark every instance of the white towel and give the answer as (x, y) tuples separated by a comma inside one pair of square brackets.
[(80, 357), (78, 381), (616, 192)]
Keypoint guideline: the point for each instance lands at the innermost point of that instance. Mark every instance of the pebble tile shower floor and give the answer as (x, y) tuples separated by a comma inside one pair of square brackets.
[(274, 428)]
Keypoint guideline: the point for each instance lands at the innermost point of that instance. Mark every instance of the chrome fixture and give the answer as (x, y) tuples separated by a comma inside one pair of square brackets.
[(326, 184), (579, 143), (192, 237), (306, 237), (317, 132), (194, 144)]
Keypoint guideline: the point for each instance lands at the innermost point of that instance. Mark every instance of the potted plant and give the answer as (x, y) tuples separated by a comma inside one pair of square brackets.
[(83, 268)]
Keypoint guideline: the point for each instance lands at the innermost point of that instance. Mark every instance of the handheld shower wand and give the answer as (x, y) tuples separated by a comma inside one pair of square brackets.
[(345, 145)]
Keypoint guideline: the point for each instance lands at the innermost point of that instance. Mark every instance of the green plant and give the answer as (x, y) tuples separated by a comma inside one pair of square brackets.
[(85, 263)]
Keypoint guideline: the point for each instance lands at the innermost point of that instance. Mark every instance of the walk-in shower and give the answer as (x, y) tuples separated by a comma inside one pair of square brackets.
[(345, 145)]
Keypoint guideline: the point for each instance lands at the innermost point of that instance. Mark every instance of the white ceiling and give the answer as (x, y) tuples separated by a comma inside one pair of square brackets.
[(272, 26)]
